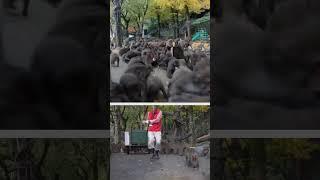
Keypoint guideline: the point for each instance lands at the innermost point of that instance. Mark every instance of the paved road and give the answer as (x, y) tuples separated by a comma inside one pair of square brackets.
[(116, 72), (139, 167), (22, 34)]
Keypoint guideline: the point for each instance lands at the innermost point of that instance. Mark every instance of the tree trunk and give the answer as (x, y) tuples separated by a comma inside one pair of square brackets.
[(127, 27), (294, 169), (126, 24), (142, 30), (217, 159), (192, 126), (126, 20), (107, 162), (158, 17), (188, 128), (95, 164), (120, 124), (139, 28), (4, 167), (25, 146), (116, 129), (299, 169), (173, 22), (123, 121), (177, 24), (116, 126), (259, 159), (38, 172), (188, 23), (144, 15), (117, 17), (56, 176)]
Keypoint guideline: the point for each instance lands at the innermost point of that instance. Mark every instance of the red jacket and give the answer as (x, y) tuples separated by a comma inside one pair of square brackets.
[(155, 120)]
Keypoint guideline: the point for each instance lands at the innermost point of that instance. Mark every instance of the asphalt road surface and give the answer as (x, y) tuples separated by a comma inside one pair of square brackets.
[(169, 167), (116, 72)]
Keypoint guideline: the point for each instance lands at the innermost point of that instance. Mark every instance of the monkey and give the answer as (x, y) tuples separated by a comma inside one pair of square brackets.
[(148, 56), (122, 51), (169, 44), (140, 70), (136, 77), (26, 4), (117, 93), (164, 60), (257, 12), (172, 66), (70, 20), (137, 61), (177, 52), (21, 92), (187, 85), (274, 84), (192, 58), (133, 87), (175, 64), (184, 43), (69, 65), (126, 57), (154, 86), (114, 59), (62, 77)]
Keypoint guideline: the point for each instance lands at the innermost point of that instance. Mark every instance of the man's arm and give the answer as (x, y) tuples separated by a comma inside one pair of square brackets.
[(157, 119)]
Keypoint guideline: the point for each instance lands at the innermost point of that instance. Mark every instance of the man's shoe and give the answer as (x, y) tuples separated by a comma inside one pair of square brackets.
[(153, 154), (157, 155), (153, 157)]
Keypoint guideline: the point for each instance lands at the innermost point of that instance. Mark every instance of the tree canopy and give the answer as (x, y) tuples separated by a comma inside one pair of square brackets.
[(263, 158), (136, 13), (55, 158)]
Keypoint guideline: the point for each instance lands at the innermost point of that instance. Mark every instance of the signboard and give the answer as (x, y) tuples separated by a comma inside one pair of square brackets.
[(126, 138)]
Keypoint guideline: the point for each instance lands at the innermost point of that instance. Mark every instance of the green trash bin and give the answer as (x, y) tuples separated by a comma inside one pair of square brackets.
[(138, 140)]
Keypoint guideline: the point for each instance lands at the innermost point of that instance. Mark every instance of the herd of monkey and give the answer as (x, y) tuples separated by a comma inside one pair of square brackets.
[(266, 64), (186, 72), (65, 86)]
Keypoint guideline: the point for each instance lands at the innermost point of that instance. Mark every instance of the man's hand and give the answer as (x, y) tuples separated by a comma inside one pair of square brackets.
[(145, 122)]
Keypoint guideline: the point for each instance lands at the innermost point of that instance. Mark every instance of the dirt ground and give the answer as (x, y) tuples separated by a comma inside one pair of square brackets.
[(169, 167)]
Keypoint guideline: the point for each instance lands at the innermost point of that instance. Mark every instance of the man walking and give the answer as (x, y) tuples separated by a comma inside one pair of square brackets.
[(154, 131)]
